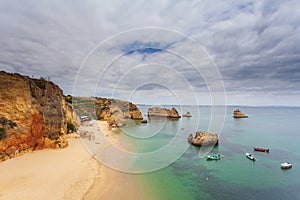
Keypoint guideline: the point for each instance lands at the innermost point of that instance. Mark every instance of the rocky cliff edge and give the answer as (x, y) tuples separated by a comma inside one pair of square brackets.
[(33, 115)]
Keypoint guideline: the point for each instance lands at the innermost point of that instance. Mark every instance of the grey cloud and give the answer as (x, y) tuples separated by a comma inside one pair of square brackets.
[(254, 43)]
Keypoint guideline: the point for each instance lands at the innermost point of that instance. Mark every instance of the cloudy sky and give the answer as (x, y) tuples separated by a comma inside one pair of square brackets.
[(245, 52)]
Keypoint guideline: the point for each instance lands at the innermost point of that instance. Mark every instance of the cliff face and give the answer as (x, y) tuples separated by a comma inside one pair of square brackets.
[(115, 112), (163, 112), (33, 114)]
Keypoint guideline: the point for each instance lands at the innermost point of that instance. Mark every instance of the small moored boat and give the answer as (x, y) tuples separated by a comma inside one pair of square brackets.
[(248, 155), (261, 149), (286, 165), (214, 157)]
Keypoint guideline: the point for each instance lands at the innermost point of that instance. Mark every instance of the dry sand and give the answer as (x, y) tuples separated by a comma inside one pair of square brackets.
[(52, 174), (70, 173)]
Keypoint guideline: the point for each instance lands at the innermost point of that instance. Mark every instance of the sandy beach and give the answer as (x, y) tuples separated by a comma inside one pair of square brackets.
[(70, 173), (110, 183), (56, 174)]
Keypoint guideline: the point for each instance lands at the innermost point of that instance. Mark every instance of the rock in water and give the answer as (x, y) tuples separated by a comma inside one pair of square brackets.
[(163, 112), (144, 121), (203, 139), (238, 114), (187, 114)]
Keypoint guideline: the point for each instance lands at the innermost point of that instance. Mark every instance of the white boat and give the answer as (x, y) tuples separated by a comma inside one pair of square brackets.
[(285, 165), (248, 155), (214, 157)]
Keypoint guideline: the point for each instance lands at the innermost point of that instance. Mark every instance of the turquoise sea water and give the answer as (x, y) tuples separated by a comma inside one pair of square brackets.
[(234, 176)]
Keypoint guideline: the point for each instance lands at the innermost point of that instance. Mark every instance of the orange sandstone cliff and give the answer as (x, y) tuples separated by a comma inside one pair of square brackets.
[(238, 114), (33, 115)]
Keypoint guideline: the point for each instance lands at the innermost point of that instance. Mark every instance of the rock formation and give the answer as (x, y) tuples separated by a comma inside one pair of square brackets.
[(33, 114), (203, 139), (238, 114), (187, 114), (115, 112), (163, 112), (144, 121)]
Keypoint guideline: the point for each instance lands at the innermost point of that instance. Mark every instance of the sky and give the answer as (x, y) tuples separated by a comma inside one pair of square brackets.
[(158, 52)]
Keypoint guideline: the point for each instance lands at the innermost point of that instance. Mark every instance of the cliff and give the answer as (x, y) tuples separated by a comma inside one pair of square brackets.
[(203, 139), (115, 112), (163, 112), (238, 114), (33, 115)]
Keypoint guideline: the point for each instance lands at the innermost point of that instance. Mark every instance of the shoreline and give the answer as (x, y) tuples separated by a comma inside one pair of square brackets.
[(114, 184)]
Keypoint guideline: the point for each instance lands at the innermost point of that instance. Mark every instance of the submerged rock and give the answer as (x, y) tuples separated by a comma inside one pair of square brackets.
[(238, 114), (203, 139)]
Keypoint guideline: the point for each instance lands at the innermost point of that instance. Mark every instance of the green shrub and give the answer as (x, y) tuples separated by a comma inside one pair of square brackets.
[(68, 99), (3, 134), (71, 127), (104, 108)]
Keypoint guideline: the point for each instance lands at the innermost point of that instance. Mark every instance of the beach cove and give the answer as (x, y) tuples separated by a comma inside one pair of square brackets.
[(73, 173), (69, 173)]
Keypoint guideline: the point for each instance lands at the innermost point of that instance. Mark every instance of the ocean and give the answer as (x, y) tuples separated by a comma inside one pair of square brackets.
[(173, 169)]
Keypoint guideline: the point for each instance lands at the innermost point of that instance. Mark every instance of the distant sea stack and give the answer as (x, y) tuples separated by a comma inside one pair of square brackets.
[(203, 139), (187, 114), (115, 112), (238, 114), (33, 115), (163, 112)]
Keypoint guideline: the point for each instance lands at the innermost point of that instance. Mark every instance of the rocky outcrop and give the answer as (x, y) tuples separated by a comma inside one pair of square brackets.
[(33, 114), (203, 139), (115, 112), (144, 121), (238, 114), (187, 114), (163, 112)]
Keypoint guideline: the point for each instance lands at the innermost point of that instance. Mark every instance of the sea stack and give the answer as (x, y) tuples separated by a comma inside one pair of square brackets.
[(163, 112), (238, 114), (187, 114), (203, 139)]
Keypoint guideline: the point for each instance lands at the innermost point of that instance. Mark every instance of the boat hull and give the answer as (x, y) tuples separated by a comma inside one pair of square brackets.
[(249, 156), (261, 149), (213, 157), (286, 165)]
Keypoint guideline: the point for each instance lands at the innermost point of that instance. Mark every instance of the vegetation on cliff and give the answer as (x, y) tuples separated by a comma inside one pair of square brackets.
[(3, 134)]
